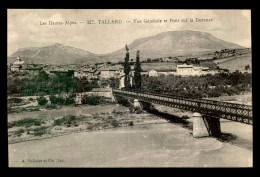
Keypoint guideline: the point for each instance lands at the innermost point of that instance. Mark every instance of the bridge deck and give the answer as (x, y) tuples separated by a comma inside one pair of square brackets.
[(231, 111)]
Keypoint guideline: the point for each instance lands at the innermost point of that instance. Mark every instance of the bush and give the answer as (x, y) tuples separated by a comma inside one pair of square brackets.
[(131, 123), (30, 109), (39, 131), (11, 124), (53, 106), (73, 121), (16, 100), (53, 99), (61, 121), (69, 121), (12, 110), (116, 112), (131, 109), (90, 127), (27, 122), (138, 110), (69, 101), (60, 100), (91, 100), (19, 132), (30, 99), (123, 101), (114, 123), (42, 100), (185, 117)]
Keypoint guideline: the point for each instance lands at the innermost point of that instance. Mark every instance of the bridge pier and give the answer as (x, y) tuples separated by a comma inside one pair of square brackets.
[(137, 104), (213, 126), (199, 127), (204, 126)]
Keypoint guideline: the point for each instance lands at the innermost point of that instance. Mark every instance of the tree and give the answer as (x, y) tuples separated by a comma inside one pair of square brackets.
[(42, 100), (137, 74), (82, 85), (43, 76), (127, 69), (114, 82), (247, 67)]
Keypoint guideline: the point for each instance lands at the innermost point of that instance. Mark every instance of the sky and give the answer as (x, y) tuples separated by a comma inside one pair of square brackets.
[(30, 27)]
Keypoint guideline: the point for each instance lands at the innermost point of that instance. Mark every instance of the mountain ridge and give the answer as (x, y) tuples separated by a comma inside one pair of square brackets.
[(165, 44), (173, 43)]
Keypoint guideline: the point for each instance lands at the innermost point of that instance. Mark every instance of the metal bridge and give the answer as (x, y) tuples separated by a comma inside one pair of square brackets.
[(231, 111)]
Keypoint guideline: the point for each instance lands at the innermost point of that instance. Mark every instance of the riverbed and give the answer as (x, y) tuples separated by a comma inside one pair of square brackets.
[(152, 145), (66, 110)]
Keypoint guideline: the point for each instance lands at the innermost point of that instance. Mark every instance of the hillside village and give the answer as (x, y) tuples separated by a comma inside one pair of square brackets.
[(178, 66), (105, 71)]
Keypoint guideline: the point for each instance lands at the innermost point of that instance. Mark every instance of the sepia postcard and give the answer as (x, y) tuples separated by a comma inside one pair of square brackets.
[(129, 88)]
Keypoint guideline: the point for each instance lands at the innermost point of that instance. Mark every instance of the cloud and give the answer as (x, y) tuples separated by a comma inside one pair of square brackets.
[(247, 14), (12, 36), (24, 29)]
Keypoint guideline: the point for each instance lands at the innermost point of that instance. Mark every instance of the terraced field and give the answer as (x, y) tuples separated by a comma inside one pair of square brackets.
[(235, 63)]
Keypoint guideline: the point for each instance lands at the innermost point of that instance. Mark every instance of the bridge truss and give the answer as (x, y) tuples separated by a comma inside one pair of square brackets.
[(230, 111)]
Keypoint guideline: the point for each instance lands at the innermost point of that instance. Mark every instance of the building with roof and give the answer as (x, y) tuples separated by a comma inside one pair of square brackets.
[(185, 70), (190, 70), (63, 73), (111, 71), (17, 65), (81, 74), (152, 73), (167, 72), (122, 81), (33, 71)]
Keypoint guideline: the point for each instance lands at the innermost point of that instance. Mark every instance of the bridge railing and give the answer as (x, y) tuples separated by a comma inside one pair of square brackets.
[(201, 100), (231, 111)]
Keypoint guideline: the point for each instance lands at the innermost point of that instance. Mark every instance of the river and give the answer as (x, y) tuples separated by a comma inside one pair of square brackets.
[(151, 145)]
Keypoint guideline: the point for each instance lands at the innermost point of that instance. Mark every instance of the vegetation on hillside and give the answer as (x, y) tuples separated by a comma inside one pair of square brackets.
[(91, 100), (42, 84), (200, 86)]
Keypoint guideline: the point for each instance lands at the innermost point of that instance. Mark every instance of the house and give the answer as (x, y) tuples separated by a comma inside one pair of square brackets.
[(63, 73), (152, 73), (156, 73), (206, 70), (95, 74), (88, 73), (34, 71), (79, 74), (82, 73), (9, 65), (111, 71), (166, 72), (189, 70), (122, 81), (17, 65), (185, 70), (196, 71)]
